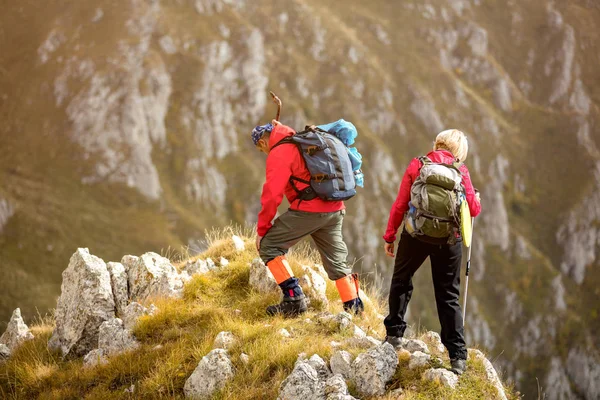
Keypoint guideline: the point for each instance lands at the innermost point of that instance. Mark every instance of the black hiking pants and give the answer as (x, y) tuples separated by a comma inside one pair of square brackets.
[(445, 269)]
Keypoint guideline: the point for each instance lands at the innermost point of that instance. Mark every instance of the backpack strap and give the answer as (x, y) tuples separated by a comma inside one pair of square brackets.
[(307, 193)]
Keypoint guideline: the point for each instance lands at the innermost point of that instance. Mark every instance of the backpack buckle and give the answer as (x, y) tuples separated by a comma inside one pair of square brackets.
[(319, 178), (311, 150)]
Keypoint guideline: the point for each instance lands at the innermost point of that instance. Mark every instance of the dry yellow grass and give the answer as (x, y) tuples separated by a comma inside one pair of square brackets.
[(182, 332)]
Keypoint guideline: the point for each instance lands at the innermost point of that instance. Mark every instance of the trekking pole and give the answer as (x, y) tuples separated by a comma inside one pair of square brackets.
[(467, 272), (277, 101)]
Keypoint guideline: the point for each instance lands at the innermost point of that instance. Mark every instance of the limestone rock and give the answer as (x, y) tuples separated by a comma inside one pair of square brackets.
[(338, 322), (341, 363), (261, 278), (416, 345), (418, 359), (223, 262), (336, 389), (373, 369), (302, 384), (320, 366), (396, 393), (491, 374), (441, 376), (153, 275), (196, 267), (435, 340), (114, 338), (238, 242), (134, 311), (86, 301), (4, 352), (315, 285), (212, 374), (245, 358), (118, 283), (366, 342), (224, 340), (16, 332), (358, 333), (211, 264), (284, 333), (95, 357)]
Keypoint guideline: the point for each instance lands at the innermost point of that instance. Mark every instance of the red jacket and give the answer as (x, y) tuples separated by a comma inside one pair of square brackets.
[(283, 162), (401, 204)]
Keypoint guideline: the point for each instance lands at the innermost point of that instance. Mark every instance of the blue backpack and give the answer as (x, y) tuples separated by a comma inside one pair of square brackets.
[(328, 161)]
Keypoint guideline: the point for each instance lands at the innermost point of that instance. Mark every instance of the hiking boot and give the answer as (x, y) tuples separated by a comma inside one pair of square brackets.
[(395, 341), (459, 366), (289, 308), (354, 307)]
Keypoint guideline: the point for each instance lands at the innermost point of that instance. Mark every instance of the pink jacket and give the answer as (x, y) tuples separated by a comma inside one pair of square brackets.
[(401, 204)]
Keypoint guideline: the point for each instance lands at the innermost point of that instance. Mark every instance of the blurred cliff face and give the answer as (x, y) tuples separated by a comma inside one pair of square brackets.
[(125, 129)]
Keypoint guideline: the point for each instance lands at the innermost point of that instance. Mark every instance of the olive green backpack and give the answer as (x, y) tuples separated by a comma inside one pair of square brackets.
[(435, 199)]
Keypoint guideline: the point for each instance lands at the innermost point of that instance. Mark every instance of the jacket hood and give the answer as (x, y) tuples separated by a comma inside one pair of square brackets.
[(279, 133), (441, 156)]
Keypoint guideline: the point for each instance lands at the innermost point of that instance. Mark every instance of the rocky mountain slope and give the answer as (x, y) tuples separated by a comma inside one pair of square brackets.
[(208, 339), (124, 129)]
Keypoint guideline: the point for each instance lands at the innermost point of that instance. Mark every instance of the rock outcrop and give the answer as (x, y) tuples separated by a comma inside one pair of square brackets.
[(119, 285), (15, 334), (114, 338), (374, 369), (261, 278), (212, 374), (441, 376), (152, 275), (86, 301), (224, 340)]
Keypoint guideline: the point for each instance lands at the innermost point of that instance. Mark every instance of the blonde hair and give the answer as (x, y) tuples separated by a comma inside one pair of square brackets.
[(454, 141)]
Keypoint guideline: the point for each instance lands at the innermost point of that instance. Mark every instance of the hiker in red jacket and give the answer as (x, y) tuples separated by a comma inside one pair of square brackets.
[(320, 219), (451, 146)]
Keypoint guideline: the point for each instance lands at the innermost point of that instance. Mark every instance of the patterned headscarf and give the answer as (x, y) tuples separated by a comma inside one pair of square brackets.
[(259, 131)]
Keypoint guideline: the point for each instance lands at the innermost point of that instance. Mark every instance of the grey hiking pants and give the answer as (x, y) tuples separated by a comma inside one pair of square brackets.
[(325, 230)]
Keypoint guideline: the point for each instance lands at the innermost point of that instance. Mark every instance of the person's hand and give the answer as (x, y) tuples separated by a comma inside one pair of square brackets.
[(477, 195), (275, 123), (389, 249), (258, 239)]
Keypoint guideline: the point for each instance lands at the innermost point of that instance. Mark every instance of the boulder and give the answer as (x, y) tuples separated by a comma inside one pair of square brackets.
[(152, 275), (491, 374), (212, 374), (238, 243), (134, 311), (95, 357), (341, 364), (4, 352), (16, 332), (413, 345), (303, 383), (211, 264), (418, 359), (372, 370), (224, 340), (336, 389), (196, 267), (338, 322), (358, 333), (118, 283), (435, 340), (441, 376), (320, 366), (261, 278), (85, 302), (223, 262), (114, 338), (315, 285)]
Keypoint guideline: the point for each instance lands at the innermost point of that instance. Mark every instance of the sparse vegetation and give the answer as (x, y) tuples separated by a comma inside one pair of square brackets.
[(183, 331)]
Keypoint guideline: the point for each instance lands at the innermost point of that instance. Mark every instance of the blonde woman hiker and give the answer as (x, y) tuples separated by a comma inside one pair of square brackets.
[(428, 202)]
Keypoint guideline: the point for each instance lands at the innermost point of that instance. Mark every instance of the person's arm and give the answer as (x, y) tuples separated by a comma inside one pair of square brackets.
[(279, 170), (472, 198), (401, 204)]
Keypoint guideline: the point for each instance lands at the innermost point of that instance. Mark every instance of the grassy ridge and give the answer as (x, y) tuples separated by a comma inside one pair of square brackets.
[(182, 332)]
